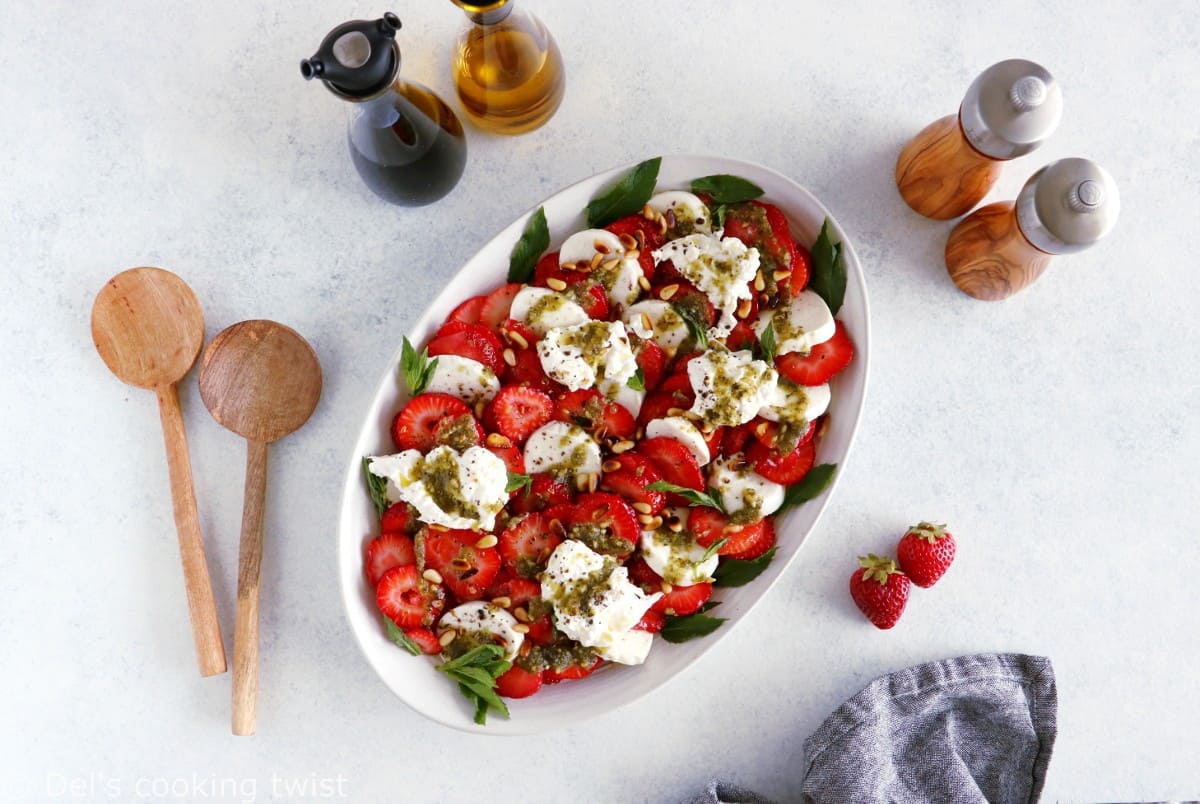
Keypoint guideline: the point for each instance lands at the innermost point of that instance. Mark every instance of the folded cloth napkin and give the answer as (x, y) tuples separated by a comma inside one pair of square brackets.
[(971, 729)]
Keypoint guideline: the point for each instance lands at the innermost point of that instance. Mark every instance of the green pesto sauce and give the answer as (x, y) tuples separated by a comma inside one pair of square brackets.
[(599, 539), (705, 269), (680, 568), (591, 340), (528, 567), (538, 607), (792, 424), (781, 322), (572, 460), (686, 224), (730, 382), (439, 472), (582, 596), (751, 510), (458, 433), (549, 303), (558, 656), (465, 642)]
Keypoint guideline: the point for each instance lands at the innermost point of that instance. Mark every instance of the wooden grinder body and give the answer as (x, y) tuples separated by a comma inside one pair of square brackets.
[(940, 175), (988, 256)]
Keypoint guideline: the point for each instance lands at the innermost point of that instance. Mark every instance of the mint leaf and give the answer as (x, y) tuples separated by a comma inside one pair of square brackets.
[(739, 572), (638, 381), (416, 368), (533, 243), (693, 626), (809, 486), (397, 635), (517, 480), (712, 549), (828, 279), (693, 497), (625, 197), (476, 672), (718, 216), (766, 345), (376, 487), (726, 189), (698, 330)]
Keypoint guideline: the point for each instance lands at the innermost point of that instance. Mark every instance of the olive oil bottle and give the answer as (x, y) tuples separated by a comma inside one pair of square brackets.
[(508, 71)]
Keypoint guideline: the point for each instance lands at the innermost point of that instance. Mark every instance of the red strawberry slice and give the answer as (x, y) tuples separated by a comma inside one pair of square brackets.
[(526, 545), (468, 311), (573, 672), (518, 333), (822, 363), (548, 268), (589, 409), (735, 438), (399, 518), (460, 432), (767, 432), (652, 621), (416, 424), (630, 478), (683, 600), (675, 462), (528, 371), (749, 541), (426, 640), (642, 576), (801, 269), (785, 469), (652, 360), (498, 303), (675, 393), (743, 335), (517, 682), (605, 523), (387, 552), (645, 232), (517, 411), (519, 591), (405, 599), (474, 341), (504, 449), (544, 491), (466, 569), (593, 299), (765, 227), (684, 294)]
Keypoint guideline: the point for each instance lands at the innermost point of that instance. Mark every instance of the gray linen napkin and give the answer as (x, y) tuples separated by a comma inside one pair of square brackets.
[(972, 729)]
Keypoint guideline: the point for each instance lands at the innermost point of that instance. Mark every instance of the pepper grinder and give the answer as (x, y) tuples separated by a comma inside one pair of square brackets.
[(1008, 111), (1001, 248)]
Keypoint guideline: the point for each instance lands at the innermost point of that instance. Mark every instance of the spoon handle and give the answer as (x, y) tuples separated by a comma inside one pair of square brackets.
[(245, 638), (206, 629)]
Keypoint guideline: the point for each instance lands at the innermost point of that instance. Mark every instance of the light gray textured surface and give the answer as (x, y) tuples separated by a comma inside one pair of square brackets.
[(1056, 432)]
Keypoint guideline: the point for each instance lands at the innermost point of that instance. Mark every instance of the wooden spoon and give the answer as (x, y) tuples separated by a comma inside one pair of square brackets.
[(148, 328), (261, 380)]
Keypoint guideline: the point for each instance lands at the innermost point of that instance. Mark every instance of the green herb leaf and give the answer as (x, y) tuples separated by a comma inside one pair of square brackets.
[(718, 216), (698, 331), (809, 486), (726, 189), (713, 548), (693, 497), (739, 572), (416, 368), (376, 487), (625, 197), (532, 245), (397, 635), (517, 481), (476, 672), (693, 626), (828, 278), (638, 381), (766, 345)]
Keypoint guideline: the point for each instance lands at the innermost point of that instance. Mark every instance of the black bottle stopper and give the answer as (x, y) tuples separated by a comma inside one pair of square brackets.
[(357, 58)]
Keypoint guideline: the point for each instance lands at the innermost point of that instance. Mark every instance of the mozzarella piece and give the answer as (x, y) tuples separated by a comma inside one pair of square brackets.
[(480, 616), (630, 398), (421, 481), (683, 431), (657, 320), (721, 268), (796, 403), (562, 449), (620, 279), (691, 214), (730, 387), (594, 602), (677, 557), (800, 324), (581, 246), (741, 487), (467, 379), (543, 309), (588, 355)]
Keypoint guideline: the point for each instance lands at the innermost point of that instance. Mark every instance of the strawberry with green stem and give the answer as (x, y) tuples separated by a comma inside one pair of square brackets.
[(925, 553), (879, 589)]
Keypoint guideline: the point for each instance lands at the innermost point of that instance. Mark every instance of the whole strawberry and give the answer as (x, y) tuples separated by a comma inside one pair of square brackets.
[(925, 553), (879, 589)]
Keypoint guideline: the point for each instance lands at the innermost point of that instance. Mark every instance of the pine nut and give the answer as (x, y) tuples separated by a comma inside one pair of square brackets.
[(667, 588), (627, 241), (447, 637), (510, 357), (601, 247), (518, 339), (596, 260), (487, 541), (502, 601), (781, 275), (554, 283), (743, 309), (643, 282), (498, 441), (432, 575), (645, 519), (647, 324), (622, 446), (668, 292), (611, 465), (643, 507), (759, 282), (521, 614), (521, 628)]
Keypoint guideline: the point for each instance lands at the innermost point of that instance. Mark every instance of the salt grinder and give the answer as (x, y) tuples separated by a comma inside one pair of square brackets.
[(1008, 111), (1001, 248)]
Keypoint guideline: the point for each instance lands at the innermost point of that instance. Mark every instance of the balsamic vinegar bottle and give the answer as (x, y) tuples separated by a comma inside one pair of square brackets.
[(406, 143)]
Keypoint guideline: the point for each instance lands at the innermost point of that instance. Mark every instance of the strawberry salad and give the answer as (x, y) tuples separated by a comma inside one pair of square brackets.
[(592, 448)]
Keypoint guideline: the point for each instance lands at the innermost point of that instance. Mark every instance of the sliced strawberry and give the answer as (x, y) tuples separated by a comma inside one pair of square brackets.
[(498, 303), (528, 371), (387, 552), (692, 300), (416, 424), (605, 523), (630, 479), (642, 576), (504, 449), (589, 409), (675, 393), (786, 469), (645, 232), (426, 640), (593, 299), (548, 268), (735, 438), (468, 311), (404, 598), (652, 360), (675, 463), (742, 336), (517, 411), (466, 570), (517, 682), (801, 269), (519, 591), (518, 333), (683, 600), (571, 673), (767, 432), (544, 491), (821, 364), (652, 621), (526, 545), (474, 341), (459, 432), (400, 517), (748, 541), (764, 227)]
